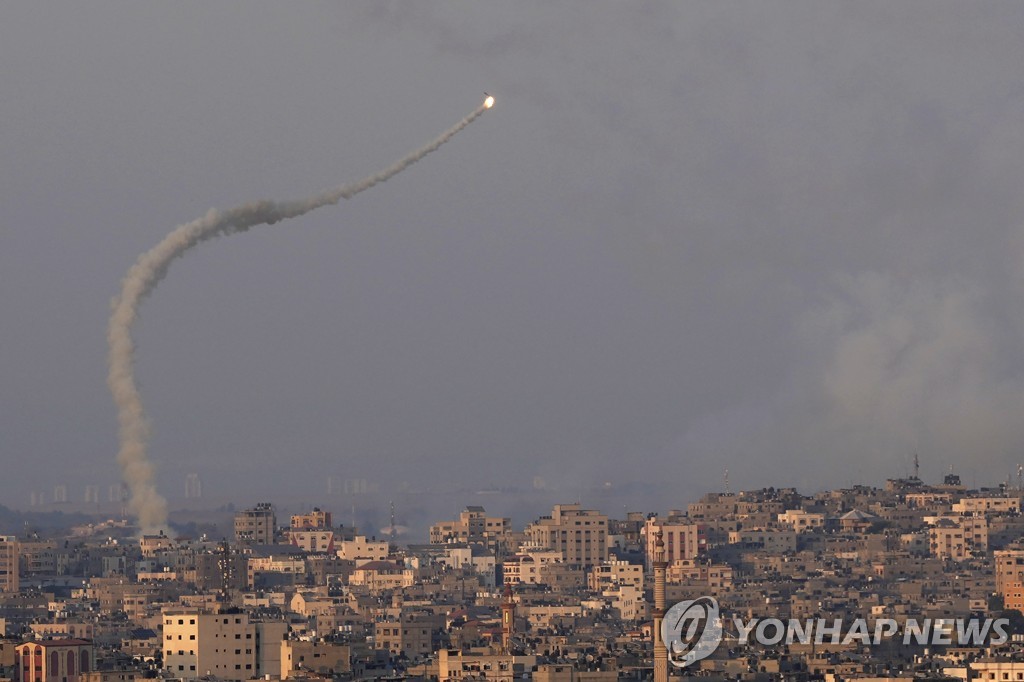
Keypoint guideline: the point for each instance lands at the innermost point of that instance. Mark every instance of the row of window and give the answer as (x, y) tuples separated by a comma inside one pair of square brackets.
[(192, 621), (191, 652)]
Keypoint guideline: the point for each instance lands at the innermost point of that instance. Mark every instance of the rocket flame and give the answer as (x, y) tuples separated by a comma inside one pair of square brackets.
[(489, 102)]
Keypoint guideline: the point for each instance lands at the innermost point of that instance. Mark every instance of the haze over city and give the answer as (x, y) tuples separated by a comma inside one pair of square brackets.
[(782, 239)]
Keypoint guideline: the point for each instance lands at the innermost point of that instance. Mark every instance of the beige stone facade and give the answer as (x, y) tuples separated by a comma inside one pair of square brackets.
[(221, 644), (473, 525), (581, 535)]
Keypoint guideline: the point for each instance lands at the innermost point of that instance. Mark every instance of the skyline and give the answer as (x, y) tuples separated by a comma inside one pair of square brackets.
[(368, 506), (784, 241)]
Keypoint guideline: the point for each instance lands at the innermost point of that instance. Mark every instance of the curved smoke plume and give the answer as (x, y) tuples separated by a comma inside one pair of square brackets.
[(145, 502)]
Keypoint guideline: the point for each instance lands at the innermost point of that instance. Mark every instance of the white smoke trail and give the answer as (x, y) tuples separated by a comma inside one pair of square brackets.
[(145, 502)]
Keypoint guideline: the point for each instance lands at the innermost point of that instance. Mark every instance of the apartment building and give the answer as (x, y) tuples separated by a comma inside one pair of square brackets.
[(256, 526), (682, 539), (315, 519), (473, 525), (581, 535), (10, 575), (611, 573), (361, 549), (225, 645), (987, 505), (316, 656), (1009, 570), (414, 634)]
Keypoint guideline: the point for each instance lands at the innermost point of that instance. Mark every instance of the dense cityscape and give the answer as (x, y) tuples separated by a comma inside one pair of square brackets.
[(461, 310), (575, 595)]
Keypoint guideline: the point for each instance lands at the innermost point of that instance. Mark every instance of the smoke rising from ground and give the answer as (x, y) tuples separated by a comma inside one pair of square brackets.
[(145, 503)]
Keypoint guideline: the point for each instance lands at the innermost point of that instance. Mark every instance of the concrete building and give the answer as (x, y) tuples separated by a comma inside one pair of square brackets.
[(626, 601), (987, 505), (581, 535), (526, 568), (226, 645), (997, 670), (802, 520), (361, 549), (274, 570), (312, 540), (713, 505), (714, 576), (476, 557), (63, 630), (458, 665), (611, 573), (151, 545), (382, 575), (111, 676), (315, 519), (316, 656), (413, 634), (256, 526), (682, 539), (10, 574), (567, 672), (39, 558), (958, 538), (770, 541), (473, 525), (1009, 570)]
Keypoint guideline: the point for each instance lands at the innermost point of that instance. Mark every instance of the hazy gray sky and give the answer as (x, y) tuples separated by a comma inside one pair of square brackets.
[(779, 237)]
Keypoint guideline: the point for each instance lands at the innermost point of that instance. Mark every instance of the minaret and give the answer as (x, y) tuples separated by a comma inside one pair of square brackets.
[(660, 653), (508, 621), (391, 531)]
